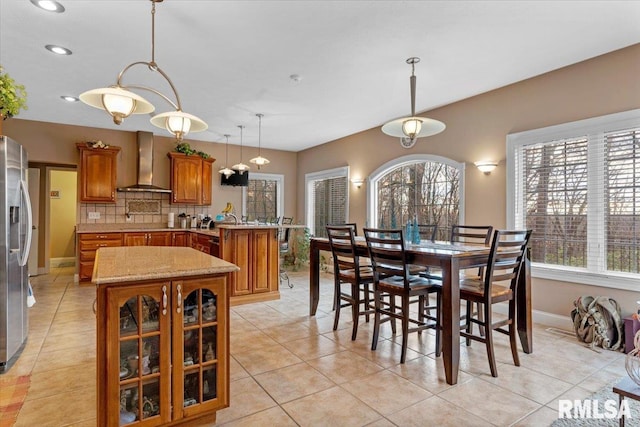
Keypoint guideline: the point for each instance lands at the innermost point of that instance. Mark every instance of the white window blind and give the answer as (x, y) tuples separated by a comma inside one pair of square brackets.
[(327, 199), (577, 186)]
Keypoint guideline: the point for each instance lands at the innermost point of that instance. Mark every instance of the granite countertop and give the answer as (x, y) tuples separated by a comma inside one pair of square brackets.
[(134, 263), (119, 228)]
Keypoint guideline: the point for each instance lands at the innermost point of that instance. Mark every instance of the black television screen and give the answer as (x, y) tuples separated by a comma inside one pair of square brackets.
[(240, 179)]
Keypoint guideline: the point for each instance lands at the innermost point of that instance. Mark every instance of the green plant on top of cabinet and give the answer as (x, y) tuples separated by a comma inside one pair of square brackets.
[(97, 169)]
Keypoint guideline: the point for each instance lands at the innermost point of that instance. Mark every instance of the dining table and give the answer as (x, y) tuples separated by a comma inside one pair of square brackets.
[(450, 258)]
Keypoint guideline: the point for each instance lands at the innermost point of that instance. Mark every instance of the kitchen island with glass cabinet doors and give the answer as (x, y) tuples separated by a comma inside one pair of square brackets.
[(162, 335)]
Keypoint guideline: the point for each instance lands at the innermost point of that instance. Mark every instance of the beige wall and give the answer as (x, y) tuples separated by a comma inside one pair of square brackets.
[(63, 214), (55, 144), (477, 129)]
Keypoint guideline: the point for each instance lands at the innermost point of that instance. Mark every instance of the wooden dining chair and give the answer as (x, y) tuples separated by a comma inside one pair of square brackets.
[(498, 285), (350, 224), (348, 270), (391, 276), (287, 220)]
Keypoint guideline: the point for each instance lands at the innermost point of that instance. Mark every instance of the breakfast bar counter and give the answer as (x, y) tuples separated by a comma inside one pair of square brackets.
[(162, 317)]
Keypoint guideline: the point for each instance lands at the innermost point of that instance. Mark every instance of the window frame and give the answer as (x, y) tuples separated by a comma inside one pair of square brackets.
[(310, 178), (374, 178), (279, 178), (594, 130)]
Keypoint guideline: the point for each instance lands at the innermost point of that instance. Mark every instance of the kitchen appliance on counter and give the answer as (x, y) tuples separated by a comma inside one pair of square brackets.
[(15, 242)]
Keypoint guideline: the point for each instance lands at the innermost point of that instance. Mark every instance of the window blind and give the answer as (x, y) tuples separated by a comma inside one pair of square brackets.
[(329, 199), (580, 193)]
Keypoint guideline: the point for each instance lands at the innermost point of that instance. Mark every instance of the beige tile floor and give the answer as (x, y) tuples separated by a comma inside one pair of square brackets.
[(290, 369)]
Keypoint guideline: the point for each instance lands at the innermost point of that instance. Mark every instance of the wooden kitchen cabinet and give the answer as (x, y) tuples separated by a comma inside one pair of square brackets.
[(201, 242), (88, 243), (180, 238), (255, 251), (154, 238), (162, 351), (191, 179), (97, 174)]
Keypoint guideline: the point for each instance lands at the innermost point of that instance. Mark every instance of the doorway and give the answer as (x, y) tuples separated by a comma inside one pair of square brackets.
[(61, 200)]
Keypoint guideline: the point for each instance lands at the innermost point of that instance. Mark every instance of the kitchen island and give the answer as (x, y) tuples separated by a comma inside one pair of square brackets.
[(253, 248), (162, 335)]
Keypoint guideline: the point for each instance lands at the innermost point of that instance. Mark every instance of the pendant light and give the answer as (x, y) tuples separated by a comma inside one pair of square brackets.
[(120, 102), (260, 161), (225, 170), (240, 166), (409, 129)]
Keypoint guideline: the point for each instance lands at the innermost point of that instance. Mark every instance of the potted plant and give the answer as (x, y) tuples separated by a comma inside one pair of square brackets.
[(13, 96)]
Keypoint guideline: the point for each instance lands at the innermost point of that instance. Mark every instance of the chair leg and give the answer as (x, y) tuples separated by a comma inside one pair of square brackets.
[(513, 333), (469, 324), (480, 318), (405, 327), (367, 300), (438, 323), (421, 310), (392, 308), (355, 309), (336, 303), (489, 340), (376, 319)]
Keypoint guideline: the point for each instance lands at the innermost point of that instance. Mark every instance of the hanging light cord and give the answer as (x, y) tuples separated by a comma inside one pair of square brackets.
[(412, 80), (259, 135), (152, 66)]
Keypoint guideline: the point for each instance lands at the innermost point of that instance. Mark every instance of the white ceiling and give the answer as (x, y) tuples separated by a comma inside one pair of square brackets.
[(232, 59)]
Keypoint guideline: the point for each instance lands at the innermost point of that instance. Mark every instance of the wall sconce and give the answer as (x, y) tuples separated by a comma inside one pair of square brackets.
[(486, 166), (357, 182)]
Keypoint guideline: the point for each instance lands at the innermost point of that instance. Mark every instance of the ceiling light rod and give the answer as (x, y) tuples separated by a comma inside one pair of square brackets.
[(225, 170), (120, 103), (240, 166), (409, 129), (260, 161)]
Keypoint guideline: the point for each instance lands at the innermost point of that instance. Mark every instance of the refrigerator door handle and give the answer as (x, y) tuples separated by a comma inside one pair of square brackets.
[(27, 243)]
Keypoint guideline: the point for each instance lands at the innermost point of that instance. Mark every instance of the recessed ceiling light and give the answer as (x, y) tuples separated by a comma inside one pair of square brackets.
[(49, 5), (70, 98), (58, 50)]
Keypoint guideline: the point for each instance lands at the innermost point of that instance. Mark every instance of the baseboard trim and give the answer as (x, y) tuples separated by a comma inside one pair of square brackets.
[(62, 262), (543, 317)]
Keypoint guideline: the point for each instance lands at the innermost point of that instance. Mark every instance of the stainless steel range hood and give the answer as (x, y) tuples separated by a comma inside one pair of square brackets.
[(145, 166)]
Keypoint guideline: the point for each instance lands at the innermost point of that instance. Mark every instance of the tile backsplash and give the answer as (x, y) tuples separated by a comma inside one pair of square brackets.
[(143, 208)]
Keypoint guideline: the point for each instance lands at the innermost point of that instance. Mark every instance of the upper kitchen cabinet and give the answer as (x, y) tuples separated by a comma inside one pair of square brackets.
[(98, 169), (191, 179)]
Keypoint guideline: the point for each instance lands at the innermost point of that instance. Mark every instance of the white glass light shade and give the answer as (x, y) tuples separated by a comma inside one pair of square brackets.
[(226, 171), (428, 127), (178, 123), (240, 167), (118, 102), (259, 161), (412, 127), (485, 166)]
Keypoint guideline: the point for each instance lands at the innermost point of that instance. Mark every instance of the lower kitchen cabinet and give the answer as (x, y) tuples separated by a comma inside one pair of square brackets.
[(154, 238), (163, 351), (255, 251), (88, 243)]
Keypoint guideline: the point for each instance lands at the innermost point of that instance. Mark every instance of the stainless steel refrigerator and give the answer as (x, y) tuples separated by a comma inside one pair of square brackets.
[(15, 241)]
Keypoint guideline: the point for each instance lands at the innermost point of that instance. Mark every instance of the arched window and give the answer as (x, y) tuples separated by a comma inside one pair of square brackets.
[(426, 188)]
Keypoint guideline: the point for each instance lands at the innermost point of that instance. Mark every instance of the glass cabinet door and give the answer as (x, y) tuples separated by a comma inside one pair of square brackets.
[(143, 336), (200, 340)]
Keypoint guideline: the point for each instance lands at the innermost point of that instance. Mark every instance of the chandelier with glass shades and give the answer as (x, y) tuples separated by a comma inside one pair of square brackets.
[(240, 166), (259, 161), (120, 102), (409, 129), (225, 170)]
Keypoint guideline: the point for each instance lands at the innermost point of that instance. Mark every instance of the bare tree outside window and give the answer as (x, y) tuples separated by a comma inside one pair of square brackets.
[(426, 192), (261, 199)]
